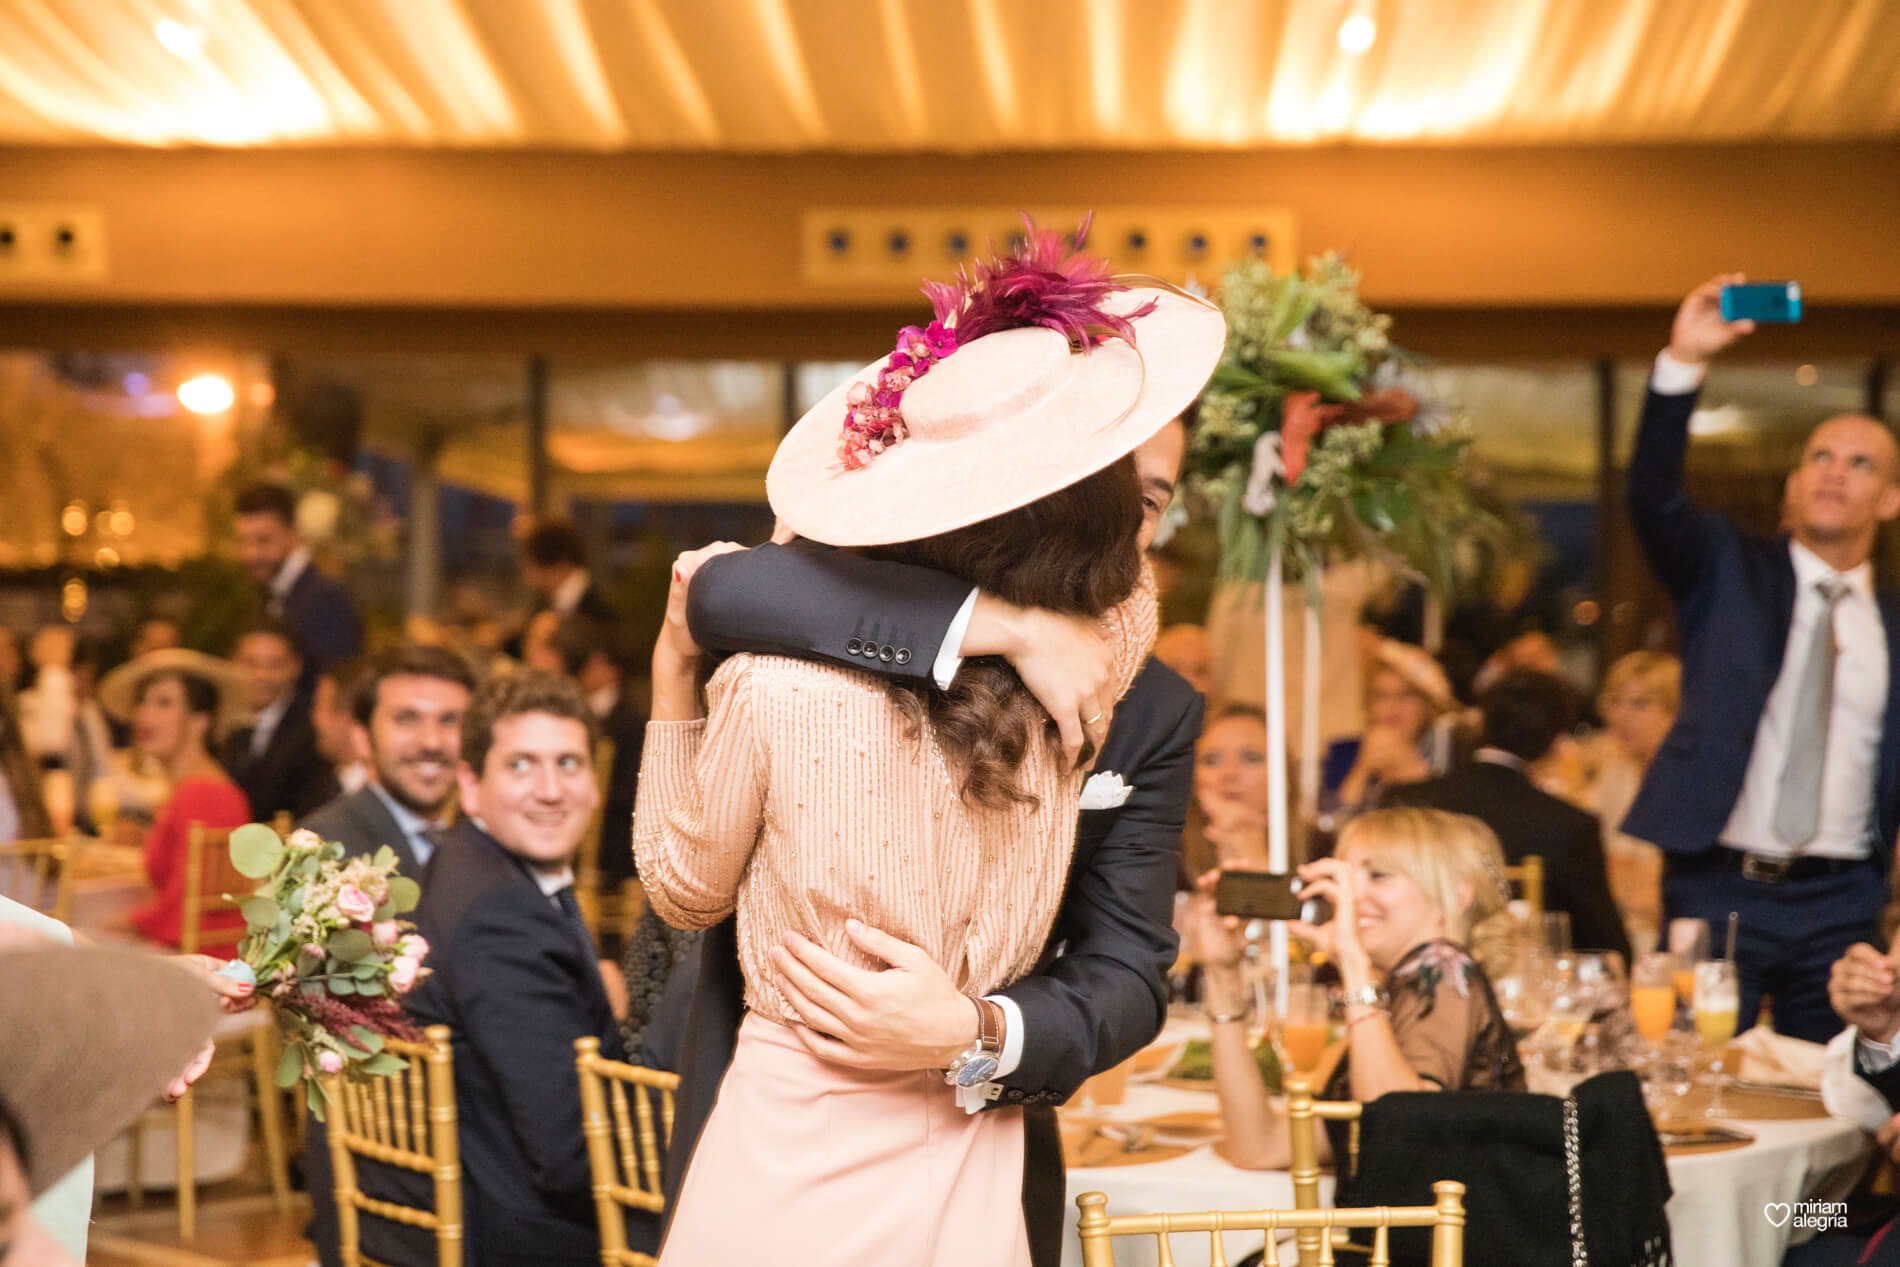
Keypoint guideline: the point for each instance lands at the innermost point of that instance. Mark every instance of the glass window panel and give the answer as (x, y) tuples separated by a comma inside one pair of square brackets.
[(811, 380)]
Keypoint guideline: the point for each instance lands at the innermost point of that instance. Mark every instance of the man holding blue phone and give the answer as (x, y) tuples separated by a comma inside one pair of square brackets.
[(1776, 794)]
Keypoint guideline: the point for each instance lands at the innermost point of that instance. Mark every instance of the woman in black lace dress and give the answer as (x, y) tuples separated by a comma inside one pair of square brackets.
[(1420, 899)]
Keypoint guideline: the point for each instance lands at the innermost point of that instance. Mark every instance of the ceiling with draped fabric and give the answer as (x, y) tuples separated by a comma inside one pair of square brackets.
[(941, 75)]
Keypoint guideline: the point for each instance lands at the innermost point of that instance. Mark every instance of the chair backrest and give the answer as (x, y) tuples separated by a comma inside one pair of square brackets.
[(1528, 877), (626, 1177), (408, 1120), (1304, 1115), (38, 873), (1446, 1218), (209, 875), (587, 865)]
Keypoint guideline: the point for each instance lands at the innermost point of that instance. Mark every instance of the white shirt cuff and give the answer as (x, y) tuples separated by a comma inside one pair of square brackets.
[(950, 654), (1012, 1054), (1876, 1056), (1671, 377), (1845, 1093)]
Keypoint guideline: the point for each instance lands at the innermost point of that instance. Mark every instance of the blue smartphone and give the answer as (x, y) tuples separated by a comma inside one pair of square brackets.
[(1762, 301)]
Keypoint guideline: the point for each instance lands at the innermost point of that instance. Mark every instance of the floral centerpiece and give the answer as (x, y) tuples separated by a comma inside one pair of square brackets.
[(325, 945), (1312, 442)]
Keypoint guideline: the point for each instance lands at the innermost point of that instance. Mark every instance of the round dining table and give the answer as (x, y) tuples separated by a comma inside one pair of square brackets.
[(1736, 1207)]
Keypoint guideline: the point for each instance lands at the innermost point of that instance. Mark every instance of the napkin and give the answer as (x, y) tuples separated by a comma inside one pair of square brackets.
[(1777, 1060)]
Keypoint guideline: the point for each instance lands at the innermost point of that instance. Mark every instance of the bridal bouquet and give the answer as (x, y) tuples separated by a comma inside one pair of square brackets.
[(1314, 441), (324, 944)]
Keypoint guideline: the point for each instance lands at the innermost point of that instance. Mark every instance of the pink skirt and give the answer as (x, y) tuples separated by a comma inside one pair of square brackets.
[(809, 1162)]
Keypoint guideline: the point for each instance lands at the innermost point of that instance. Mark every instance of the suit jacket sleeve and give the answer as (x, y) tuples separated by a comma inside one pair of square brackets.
[(334, 631), (1106, 995), (810, 601), (522, 1007), (1678, 539)]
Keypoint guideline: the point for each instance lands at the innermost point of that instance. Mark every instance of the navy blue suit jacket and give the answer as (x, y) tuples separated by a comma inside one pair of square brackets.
[(322, 618), (1735, 599)]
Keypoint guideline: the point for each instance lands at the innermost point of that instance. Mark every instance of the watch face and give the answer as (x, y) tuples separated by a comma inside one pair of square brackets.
[(977, 1071)]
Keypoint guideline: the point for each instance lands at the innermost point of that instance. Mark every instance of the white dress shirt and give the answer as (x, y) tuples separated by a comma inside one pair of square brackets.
[(567, 595), (1860, 699), (287, 577), (265, 727), (415, 828), (1845, 1093)]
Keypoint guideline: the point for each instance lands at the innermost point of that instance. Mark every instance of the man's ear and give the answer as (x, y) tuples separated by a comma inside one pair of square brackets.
[(469, 784), (1888, 504)]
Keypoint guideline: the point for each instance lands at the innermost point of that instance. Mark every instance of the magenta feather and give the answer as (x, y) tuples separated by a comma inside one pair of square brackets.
[(1043, 283)]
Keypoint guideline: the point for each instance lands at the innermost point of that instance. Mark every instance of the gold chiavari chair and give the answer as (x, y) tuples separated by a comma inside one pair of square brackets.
[(406, 1120), (1304, 1115), (209, 875), (1446, 1219), (630, 1179), (1527, 876), (39, 873), (604, 909)]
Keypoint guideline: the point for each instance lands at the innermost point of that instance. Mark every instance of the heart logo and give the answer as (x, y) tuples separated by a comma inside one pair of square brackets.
[(1778, 1212)]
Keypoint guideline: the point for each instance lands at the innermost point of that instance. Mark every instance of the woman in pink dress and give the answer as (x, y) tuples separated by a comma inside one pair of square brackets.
[(994, 446)]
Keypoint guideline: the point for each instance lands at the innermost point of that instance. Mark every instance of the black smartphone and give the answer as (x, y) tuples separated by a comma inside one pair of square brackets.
[(1267, 895)]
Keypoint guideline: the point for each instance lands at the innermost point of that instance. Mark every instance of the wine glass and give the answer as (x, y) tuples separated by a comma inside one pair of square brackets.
[(1569, 1004), (1717, 1001), (1557, 932), (1653, 1008), (1303, 1024), (1689, 943)]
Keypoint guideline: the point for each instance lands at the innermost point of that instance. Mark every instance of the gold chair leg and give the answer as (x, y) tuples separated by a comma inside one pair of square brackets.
[(269, 1114), (187, 1172)]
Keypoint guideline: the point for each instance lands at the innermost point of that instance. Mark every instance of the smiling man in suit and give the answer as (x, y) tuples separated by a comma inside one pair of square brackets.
[(1776, 794), (1100, 993), (407, 711)]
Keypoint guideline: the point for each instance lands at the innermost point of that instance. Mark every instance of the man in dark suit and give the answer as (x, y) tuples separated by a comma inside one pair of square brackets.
[(1776, 795), (1524, 712), (554, 568), (318, 611), (276, 759), (515, 974), (1100, 993), (590, 653), (407, 711), (1861, 1083)]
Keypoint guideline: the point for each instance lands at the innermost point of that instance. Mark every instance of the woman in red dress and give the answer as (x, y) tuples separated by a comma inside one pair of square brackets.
[(174, 702)]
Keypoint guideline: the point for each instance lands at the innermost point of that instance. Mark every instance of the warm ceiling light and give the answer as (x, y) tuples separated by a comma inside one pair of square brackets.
[(206, 394), (1357, 32), (178, 39)]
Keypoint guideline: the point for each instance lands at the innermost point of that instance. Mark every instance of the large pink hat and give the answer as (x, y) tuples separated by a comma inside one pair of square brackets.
[(985, 420)]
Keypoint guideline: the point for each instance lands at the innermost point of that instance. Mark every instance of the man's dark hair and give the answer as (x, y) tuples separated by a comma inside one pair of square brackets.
[(554, 542), (269, 626), (578, 639), (267, 499), (411, 659), (528, 691), (1524, 712)]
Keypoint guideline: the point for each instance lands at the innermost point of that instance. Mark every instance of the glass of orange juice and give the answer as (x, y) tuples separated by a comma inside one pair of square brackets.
[(1303, 1024), (1653, 1004), (1717, 1002), (1689, 943)]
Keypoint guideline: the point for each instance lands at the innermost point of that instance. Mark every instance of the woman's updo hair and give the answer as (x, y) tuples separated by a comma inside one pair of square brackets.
[(201, 695), (1456, 862)]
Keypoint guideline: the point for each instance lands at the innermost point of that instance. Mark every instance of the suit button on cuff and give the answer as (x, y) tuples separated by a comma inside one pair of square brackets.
[(870, 651), (903, 655), (853, 647), (886, 654)]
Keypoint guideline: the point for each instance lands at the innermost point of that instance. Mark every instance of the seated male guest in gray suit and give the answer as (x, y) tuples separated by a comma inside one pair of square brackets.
[(514, 974), (276, 759), (1100, 992), (408, 717)]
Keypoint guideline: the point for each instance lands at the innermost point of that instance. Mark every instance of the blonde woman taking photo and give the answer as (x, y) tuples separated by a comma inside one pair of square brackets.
[(1419, 897)]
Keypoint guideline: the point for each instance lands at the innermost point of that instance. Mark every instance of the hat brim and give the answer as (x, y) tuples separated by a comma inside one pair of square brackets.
[(918, 489), (88, 1039), (118, 690)]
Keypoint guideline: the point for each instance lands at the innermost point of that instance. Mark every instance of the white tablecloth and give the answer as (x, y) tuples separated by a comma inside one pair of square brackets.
[(1718, 1216)]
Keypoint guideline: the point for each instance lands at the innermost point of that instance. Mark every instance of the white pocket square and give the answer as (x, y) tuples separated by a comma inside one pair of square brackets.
[(1105, 790)]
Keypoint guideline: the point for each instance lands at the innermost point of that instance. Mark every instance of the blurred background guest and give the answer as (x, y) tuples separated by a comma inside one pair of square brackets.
[(1638, 706), (554, 568), (1228, 826), (319, 612), (275, 759), (331, 717), (590, 654), (22, 812), (1523, 712), (1186, 650), (155, 633), (1420, 906), (175, 700), (1409, 734)]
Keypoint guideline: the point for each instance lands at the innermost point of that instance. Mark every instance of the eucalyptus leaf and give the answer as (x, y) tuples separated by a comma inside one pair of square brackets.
[(290, 1065), (294, 902), (342, 985), (331, 852), (366, 1038), (316, 1099), (384, 1063), (385, 856), (307, 869), (260, 913), (350, 944), (372, 988), (255, 850), (386, 911), (404, 893)]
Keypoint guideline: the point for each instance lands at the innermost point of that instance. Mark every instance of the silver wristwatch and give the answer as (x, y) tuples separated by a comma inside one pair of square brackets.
[(979, 1062), (1366, 996)]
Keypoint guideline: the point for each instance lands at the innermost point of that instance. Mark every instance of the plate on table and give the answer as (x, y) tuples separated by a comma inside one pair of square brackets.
[(1188, 1129)]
